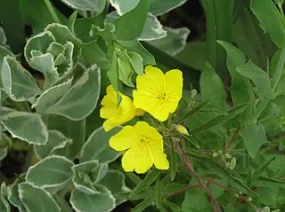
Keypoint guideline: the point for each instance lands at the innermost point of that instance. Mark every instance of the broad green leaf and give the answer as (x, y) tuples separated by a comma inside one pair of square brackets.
[(50, 172), (174, 42), (274, 25), (36, 14), (89, 5), (56, 141), (133, 21), (136, 46), (4, 204), (82, 97), (212, 86), (253, 137), (196, 200), (17, 82), (273, 68), (3, 53), (125, 71), (157, 8), (263, 88), (194, 54), (136, 61), (26, 126), (97, 146), (74, 130), (241, 90), (93, 203), (268, 196), (36, 199), (13, 196), (5, 143), (51, 96)]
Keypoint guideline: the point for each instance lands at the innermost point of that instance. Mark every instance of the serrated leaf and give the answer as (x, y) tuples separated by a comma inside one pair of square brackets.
[(85, 176), (50, 172), (174, 41), (89, 5), (97, 146), (56, 141), (51, 96), (82, 202), (82, 97), (36, 199), (212, 86), (17, 82), (133, 20), (253, 137), (274, 25), (26, 126), (259, 77)]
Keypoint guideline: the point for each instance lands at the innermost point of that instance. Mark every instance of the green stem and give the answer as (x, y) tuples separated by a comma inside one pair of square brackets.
[(52, 11)]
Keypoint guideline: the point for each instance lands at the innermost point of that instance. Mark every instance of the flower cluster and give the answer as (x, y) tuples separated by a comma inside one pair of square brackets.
[(157, 94)]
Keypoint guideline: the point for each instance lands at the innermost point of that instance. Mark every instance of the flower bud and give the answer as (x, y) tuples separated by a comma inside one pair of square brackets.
[(181, 129)]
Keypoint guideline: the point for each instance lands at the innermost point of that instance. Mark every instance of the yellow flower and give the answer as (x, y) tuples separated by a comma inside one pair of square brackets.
[(114, 113), (158, 93), (143, 145)]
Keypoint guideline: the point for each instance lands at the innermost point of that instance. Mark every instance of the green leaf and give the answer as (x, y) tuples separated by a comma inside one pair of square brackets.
[(158, 193), (50, 172), (273, 25), (143, 204), (97, 146), (3, 38), (195, 200), (36, 199), (87, 174), (17, 82), (81, 99), (194, 54), (158, 8), (212, 86), (3, 53), (26, 126), (174, 42), (74, 130), (51, 96), (136, 61), (253, 137), (241, 90), (13, 197), (82, 202), (268, 196), (89, 5), (258, 172), (56, 141), (171, 205), (4, 204), (133, 20), (263, 88)]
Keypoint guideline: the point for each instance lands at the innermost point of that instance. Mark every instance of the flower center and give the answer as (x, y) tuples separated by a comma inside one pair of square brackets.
[(162, 96), (144, 138)]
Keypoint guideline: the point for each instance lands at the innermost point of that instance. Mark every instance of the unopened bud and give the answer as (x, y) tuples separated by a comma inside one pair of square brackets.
[(181, 129), (193, 93), (228, 156), (265, 209), (215, 154), (233, 164)]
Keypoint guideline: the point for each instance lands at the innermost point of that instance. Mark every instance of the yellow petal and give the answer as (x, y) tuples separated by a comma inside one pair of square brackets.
[(152, 83), (160, 161), (143, 128), (137, 159), (174, 85), (108, 112), (124, 139)]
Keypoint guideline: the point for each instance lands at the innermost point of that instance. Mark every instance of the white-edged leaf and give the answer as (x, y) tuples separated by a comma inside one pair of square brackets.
[(49, 97), (26, 126), (82, 97), (97, 146), (3, 53), (174, 42), (3, 38), (123, 6), (4, 204), (13, 196), (36, 199), (157, 7), (50, 172), (17, 82), (56, 141), (89, 5), (82, 202)]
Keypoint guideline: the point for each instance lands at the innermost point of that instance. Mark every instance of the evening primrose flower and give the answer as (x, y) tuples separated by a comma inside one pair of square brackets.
[(158, 93), (143, 147), (114, 113)]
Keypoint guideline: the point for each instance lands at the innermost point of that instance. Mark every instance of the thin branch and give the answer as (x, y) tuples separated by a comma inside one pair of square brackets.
[(182, 190), (232, 139)]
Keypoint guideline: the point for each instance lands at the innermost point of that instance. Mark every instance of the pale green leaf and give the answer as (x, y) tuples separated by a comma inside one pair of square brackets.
[(157, 8), (82, 97), (56, 141), (174, 42), (17, 82), (97, 146), (253, 137), (82, 202), (26, 126), (3, 53), (4, 205), (13, 196), (50, 172), (3, 38), (37, 200), (89, 5)]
